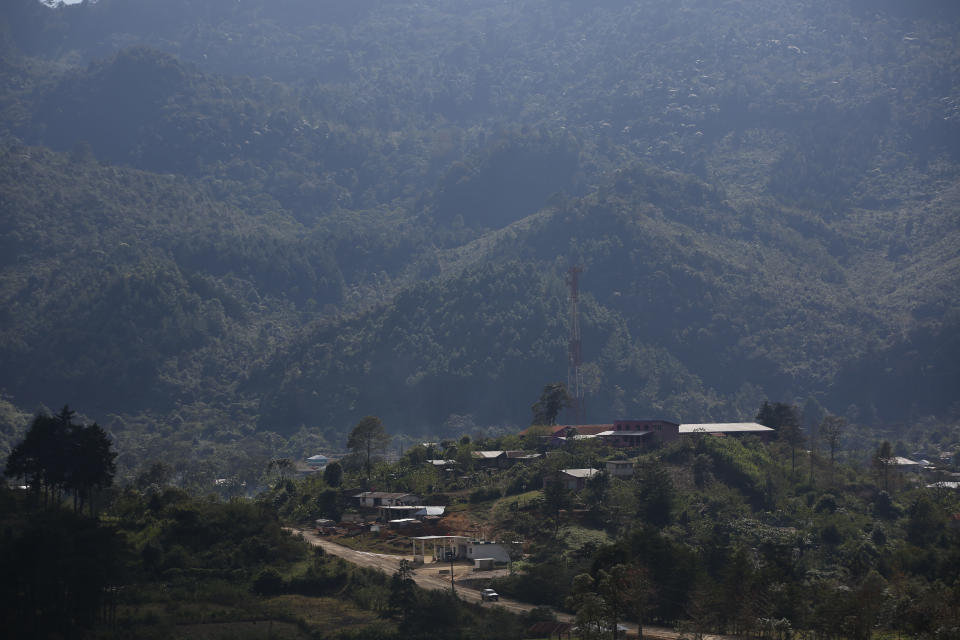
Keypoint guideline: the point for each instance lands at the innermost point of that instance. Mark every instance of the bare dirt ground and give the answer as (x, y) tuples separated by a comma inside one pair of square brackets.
[(428, 576)]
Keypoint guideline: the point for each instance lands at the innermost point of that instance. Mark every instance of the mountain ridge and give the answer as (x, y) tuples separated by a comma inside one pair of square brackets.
[(763, 197)]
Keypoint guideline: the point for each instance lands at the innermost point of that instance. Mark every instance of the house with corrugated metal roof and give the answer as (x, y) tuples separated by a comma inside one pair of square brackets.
[(620, 468), (572, 479), (502, 459), (727, 429)]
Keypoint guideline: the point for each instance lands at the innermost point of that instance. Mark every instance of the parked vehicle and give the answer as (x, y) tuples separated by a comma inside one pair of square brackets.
[(326, 527), (489, 595)]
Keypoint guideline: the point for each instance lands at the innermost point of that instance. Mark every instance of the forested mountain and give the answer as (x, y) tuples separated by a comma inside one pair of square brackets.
[(296, 213), (694, 310)]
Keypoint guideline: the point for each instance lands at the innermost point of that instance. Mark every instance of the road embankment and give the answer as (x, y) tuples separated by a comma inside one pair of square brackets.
[(429, 576)]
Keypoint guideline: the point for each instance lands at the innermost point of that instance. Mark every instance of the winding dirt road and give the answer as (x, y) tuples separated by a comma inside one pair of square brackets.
[(428, 576)]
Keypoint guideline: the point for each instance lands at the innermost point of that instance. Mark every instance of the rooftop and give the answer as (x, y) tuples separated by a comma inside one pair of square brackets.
[(900, 461), (625, 434), (580, 473), (487, 454), (582, 429), (522, 455), (724, 427)]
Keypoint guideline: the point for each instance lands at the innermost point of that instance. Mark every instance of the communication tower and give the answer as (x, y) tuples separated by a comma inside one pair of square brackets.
[(574, 376)]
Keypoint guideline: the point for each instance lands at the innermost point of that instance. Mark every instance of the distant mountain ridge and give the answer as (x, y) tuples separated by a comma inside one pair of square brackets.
[(306, 212)]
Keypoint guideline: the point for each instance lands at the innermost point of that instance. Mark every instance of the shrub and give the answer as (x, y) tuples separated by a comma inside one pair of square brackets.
[(826, 504), (269, 583), (484, 494)]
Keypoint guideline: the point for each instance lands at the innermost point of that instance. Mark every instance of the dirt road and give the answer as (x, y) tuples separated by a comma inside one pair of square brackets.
[(428, 576)]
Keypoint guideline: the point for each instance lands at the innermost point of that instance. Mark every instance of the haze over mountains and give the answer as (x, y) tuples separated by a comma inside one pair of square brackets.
[(273, 215)]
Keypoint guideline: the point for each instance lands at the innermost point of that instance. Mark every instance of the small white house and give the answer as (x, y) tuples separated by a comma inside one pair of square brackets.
[(572, 479), (318, 461)]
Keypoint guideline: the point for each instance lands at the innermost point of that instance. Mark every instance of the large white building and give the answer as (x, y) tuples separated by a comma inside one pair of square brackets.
[(459, 548)]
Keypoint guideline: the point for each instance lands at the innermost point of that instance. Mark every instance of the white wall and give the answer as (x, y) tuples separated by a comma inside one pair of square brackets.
[(495, 551)]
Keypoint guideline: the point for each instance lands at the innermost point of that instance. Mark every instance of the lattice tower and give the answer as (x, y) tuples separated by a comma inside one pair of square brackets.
[(574, 361)]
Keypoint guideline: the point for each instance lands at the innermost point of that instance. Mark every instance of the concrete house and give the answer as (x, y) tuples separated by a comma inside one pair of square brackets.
[(460, 548), (572, 479), (490, 459), (638, 434), (502, 459), (383, 499), (620, 468)]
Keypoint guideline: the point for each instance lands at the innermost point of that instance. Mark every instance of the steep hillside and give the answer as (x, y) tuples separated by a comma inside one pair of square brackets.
[(327, 211), (132, 290), (692, 310)]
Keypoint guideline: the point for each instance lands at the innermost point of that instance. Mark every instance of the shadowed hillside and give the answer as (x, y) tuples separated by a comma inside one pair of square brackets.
[(307, 212)]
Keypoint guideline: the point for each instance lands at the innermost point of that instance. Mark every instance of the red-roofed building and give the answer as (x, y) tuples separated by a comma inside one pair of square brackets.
[(640, 433)]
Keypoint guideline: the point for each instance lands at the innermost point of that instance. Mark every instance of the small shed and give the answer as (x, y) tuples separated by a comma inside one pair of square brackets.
[(483, 564), (621, 468)]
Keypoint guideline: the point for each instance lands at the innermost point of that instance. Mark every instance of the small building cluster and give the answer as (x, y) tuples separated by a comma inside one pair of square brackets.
[(936, 474), (643, 434), (397, 509)]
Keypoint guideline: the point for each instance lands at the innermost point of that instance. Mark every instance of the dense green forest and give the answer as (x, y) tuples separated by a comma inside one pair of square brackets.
[(230, 229)]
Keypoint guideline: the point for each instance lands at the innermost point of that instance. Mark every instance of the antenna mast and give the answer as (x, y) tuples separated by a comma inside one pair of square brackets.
[(574, 377)]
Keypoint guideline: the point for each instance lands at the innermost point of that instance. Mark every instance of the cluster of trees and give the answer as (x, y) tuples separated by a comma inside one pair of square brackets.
[(58, 566), (59, 456)]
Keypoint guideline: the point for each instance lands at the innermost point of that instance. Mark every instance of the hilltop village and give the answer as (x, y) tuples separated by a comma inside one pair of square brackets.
[(407, 511), (615, 450), (637, 527), (517, 519)]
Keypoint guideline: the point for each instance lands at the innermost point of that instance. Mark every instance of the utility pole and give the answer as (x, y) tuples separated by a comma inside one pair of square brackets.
[(574, 360), (453, 589)]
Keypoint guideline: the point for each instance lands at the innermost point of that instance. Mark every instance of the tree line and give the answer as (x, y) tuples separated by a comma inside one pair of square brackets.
[(59, 457)]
